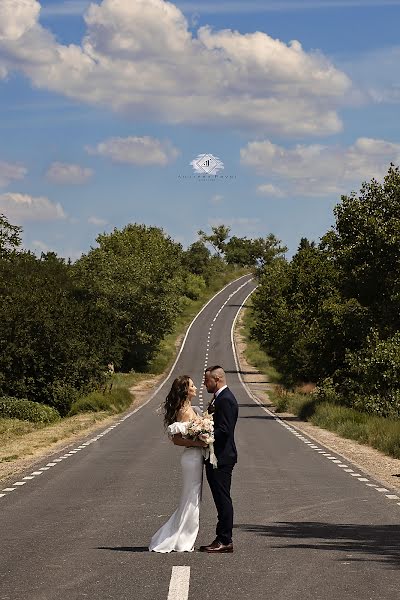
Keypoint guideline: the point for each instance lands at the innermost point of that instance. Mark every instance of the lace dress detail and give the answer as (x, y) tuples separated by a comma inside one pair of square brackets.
[(179, 533)]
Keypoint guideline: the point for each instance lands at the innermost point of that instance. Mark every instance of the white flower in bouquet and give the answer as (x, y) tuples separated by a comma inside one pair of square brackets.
[(202, 428)]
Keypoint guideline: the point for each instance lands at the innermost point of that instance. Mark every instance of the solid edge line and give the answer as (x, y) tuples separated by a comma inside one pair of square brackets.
[(183, 344), (257, 401)]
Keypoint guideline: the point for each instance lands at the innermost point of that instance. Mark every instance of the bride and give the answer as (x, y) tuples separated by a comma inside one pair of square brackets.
[(180, 531)]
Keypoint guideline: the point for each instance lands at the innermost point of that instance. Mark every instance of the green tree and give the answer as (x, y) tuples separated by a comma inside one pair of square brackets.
[(134, 275), (196, 258), (365, 246), (10, 237), (53, 340), (217, 238)]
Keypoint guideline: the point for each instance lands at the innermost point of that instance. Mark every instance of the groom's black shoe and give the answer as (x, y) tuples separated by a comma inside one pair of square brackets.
[(218, 548), (213, 544)]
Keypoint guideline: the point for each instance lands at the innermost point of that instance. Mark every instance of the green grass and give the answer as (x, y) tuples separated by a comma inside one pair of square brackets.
[(106, 401), (114, 400), (379, 432), (16, 428), (253, 353)]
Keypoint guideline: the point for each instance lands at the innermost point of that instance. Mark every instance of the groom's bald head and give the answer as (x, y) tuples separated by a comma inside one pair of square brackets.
[(214, 378)]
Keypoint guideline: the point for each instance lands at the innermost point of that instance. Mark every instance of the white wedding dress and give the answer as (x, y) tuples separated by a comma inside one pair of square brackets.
[(180, 531)]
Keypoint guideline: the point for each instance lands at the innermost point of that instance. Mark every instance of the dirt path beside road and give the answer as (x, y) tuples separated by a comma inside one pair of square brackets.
[(384, 469)]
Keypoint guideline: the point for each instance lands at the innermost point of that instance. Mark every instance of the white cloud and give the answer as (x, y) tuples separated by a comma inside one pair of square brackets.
[(268, 189), (136, 150), (317, 170), (217, 199), (17, 17), (97, 221), (10, 172), (28, 208), (68, 173), (139, 57)]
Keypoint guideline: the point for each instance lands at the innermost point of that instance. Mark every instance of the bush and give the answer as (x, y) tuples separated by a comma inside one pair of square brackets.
[(26, 410), (114, 402), (369, 379), (62, 396), (193, 286)]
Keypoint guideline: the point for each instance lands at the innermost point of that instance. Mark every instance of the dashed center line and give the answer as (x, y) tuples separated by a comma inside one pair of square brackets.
[(179, 583)]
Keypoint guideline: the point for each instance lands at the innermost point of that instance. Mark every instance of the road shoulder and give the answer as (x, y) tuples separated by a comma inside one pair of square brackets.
[(382, 468)]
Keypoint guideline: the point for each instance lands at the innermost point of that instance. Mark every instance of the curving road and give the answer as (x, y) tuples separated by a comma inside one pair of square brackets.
[(307, 525)]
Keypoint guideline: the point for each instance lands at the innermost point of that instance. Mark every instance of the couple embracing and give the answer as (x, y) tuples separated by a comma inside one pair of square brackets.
[(217, 450)]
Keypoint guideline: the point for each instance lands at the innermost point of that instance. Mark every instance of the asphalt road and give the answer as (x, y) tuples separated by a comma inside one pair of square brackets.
[(307, 525)]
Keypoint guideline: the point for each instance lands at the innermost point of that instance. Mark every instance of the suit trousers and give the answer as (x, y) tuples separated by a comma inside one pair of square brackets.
[(219, 480)]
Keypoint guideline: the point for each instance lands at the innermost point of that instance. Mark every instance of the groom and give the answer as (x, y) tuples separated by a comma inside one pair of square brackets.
[(225, 411)]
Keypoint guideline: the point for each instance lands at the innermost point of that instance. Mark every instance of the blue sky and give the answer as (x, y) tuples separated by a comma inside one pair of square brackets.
[(104, 105)]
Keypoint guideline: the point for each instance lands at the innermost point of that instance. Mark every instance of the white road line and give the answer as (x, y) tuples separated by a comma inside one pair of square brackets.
[(19, 483), (130, 414), (179, 583), (293, 429)]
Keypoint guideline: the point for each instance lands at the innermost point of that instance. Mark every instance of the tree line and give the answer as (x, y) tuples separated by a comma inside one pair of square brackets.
[(331, 315), (62, 323)]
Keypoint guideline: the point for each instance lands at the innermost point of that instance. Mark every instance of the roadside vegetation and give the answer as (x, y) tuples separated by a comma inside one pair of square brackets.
[(330, 320), (75, 337)]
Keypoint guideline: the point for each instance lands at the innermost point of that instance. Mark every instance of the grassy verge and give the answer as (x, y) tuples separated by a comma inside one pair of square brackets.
[(253, 353), (22, 439), (378, 432), (25, 440), (115, 398)]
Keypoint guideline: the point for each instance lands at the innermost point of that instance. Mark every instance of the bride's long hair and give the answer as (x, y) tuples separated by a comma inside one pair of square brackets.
[(176, 399)]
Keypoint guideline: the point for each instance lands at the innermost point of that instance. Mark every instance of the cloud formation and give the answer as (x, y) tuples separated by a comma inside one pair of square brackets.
[(65, 173), (142, 151), (317, 170), (22, 207), (11, 172), (139, 57), (97, 221)]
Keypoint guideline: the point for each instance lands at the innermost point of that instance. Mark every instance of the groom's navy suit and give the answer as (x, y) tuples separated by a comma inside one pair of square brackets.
[(225, 413)]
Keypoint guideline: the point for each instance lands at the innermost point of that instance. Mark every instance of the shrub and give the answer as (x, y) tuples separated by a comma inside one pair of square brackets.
[(114, 402), (26, 410), (369, 379)]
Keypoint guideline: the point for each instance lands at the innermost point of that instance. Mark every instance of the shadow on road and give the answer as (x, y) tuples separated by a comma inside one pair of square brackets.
[(253, 405), (124, 548), (370, 542), (257, 417)]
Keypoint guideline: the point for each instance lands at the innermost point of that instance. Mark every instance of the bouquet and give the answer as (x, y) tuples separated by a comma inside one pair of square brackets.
[(202, 429)]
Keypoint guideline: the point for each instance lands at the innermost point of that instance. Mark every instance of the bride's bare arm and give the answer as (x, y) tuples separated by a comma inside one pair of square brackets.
[(178, 440)]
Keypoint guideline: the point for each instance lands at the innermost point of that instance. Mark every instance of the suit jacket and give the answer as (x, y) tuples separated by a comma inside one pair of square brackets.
[(225, 416)]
